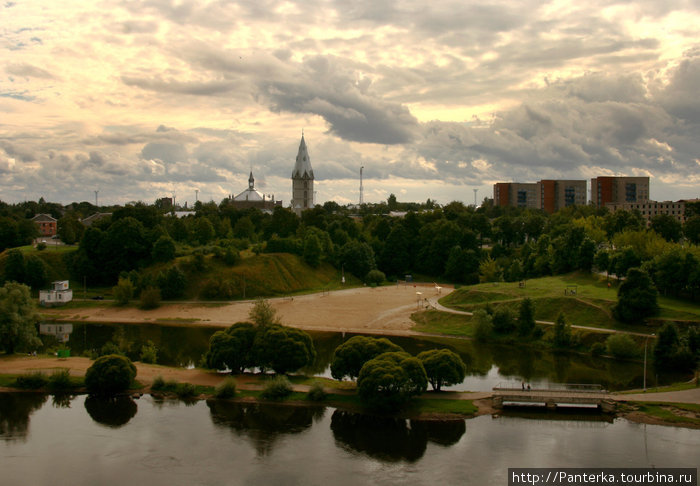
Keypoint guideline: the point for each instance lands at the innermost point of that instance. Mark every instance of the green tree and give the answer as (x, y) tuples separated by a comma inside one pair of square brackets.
[(375, 277), (489, 271), (110, 375), (668, 227), (636, 297), (483, 325), (15, 267), (443, 367), (283, 349), (163, 249), (37, 272), (204, 230), (357, 258), (123, 291), (312, 250), (18, 318), (503, 320), (562, 332), (691, 229), (349, 357), (526, 317), (390, 380), (621, 346), (150, 298), (263, 314), (70, 230), (172, 283), (232, 348)]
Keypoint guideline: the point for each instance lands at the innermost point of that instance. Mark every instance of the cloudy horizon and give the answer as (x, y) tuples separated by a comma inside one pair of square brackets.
[(149, 99)]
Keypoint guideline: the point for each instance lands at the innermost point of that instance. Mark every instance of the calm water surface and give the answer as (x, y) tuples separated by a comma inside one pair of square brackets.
[(487, 364), (83, 441)]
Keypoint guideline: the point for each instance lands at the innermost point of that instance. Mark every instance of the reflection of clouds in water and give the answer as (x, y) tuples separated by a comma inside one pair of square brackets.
[(392, 439), (263, 423)]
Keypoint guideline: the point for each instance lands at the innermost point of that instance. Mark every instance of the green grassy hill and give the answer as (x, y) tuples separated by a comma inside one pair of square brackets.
[(264, 275), (591, 304)]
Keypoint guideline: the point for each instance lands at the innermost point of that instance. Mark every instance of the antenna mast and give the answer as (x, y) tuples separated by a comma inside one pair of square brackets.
[(475, 190), (96, 192), (362, 199)]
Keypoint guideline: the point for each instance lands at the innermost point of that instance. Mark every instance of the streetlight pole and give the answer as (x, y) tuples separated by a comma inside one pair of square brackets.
[(646, 341)]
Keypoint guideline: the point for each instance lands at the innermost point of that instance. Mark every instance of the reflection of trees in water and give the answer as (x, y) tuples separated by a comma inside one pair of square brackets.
[(392, 439), (111, 411), (263, 423), (15, 409), (62, 400)]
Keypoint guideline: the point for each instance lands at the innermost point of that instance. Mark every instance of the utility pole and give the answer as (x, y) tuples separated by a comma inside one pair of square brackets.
[(96, 193), (475, 191), (196, 195)]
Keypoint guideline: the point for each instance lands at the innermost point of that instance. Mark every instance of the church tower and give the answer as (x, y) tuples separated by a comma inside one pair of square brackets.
[(302, 181)]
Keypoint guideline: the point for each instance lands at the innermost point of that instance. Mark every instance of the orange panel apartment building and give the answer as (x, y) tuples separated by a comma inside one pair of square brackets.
[(619, 190), (549, 194)]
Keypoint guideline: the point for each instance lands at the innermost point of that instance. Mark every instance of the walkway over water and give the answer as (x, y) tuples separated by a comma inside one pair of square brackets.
[(556, 395)]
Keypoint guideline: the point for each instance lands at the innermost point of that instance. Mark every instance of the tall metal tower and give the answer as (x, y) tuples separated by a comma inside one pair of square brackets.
[(96, 192), (362, 198), (475, 191)]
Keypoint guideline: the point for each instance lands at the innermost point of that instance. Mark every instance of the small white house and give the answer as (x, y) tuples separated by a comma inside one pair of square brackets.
[(61, 331), (59, 294)]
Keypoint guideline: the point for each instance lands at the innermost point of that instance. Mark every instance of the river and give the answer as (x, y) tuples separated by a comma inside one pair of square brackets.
[(487, 364), (85, 441)]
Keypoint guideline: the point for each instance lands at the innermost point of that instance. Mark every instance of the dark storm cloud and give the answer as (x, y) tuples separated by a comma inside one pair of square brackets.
[(25, 154)]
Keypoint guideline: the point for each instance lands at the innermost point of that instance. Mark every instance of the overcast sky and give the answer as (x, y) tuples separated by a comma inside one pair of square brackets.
[(146, 99)]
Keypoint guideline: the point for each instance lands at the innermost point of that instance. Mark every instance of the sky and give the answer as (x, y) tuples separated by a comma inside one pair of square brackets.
[(146, 99)]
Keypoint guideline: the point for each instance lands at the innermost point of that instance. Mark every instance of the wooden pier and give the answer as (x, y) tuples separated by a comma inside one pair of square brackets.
[(553, 397)]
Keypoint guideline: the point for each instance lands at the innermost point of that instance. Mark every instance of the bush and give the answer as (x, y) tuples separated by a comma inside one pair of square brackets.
[(185, 390), (150, 298), (41, 246), (110, 348), (31, 381), (376, 277), (149, 353), (317, 393), (158, 383), (622, 346), (227, 389), (109, 375), (123, 292), (278, 388), (598, 349), (60, 380)]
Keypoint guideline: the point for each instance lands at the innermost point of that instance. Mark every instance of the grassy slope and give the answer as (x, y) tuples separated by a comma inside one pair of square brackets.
[(591, 306)]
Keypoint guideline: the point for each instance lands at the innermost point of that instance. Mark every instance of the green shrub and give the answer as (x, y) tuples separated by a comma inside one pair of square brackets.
[(123, 292), (60, 380), (622, 346), (31, 381), (376, 277), (227, 389), (158, 383), (41, 246), (185, 390), (110, 375), (150, 298), (277, 389), (317, 393), (598, 349), (149, 353), (110, 348)]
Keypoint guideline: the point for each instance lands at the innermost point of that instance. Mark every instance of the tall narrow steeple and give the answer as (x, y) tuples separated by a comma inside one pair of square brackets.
[(302, 180)]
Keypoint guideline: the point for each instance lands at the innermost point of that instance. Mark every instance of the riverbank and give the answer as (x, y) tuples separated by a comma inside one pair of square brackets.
[(382, 310), (673, 408)]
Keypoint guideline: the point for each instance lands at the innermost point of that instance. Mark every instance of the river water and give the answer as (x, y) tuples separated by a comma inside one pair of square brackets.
[(487, 365), (85, 441)]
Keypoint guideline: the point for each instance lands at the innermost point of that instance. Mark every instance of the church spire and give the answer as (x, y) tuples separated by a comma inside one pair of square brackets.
[(251, 181), (302, 167)]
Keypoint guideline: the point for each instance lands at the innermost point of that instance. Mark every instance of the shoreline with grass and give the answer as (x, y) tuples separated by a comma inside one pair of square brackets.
[(676, 405)]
